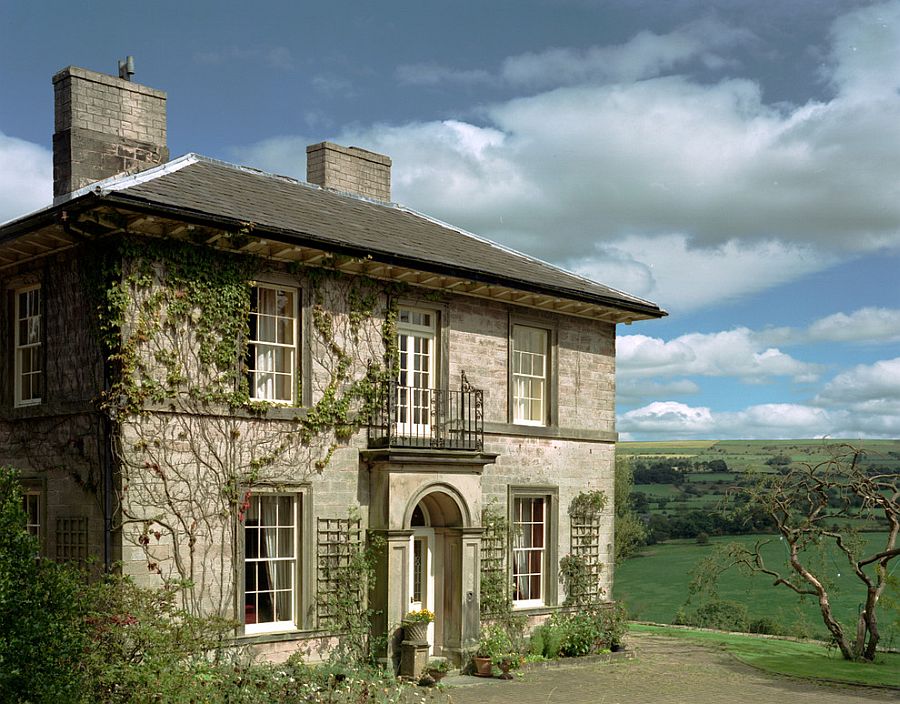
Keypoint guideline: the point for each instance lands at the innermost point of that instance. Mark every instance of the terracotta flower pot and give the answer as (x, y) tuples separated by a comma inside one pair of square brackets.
[(484, 667)]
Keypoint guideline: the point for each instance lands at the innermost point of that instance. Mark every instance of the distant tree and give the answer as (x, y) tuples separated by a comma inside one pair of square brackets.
[(779, 460), (638, 501), (717, 466), (630, 533), (803, 503)]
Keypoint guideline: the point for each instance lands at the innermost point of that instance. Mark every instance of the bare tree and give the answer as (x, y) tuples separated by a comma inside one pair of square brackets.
[(808, 503)]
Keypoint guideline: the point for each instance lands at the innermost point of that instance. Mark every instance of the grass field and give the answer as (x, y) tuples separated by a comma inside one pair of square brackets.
[(783, 657), (654, 585), (751, 455)]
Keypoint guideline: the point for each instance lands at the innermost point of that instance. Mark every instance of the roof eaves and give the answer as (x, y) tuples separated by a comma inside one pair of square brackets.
[(294, 236)]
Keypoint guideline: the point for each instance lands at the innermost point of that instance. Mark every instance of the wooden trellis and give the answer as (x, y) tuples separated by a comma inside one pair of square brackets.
[(494, 575), (585, 542), (338, 541)]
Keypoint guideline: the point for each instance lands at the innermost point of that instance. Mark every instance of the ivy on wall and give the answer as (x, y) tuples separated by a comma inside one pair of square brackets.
[(173, 320)]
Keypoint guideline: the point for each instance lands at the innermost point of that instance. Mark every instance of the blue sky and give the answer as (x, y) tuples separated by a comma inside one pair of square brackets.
[(737, 162)]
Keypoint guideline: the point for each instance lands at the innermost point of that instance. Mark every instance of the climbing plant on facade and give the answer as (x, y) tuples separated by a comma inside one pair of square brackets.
[(191, 444)]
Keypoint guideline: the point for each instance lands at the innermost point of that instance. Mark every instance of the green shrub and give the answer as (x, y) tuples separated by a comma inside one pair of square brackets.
[(42, 634), (536, 642), (721, 615), (583, 633), (764, 625), (145, 646)]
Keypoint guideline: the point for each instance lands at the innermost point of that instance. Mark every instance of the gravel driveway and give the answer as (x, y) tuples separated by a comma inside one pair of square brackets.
[(663, 671)]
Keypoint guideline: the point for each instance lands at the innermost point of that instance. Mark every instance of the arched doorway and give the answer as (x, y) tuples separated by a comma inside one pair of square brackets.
[(435, 568)]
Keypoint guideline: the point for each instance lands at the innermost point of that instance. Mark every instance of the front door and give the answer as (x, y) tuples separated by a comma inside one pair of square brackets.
[(421, 576)]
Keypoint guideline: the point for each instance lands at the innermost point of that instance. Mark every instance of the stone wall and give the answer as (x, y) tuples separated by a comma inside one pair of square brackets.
[(183, 465), (57, 444)]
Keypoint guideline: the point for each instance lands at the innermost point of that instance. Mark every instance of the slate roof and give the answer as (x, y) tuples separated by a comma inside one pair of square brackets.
[(293, 211)]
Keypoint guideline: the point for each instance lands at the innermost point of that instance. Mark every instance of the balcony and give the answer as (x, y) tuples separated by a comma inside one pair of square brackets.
[(438, 419)]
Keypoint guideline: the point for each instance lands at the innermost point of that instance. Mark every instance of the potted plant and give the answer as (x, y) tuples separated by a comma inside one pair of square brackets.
[(507, 662), (415, 625), (438, 668), (493, 644), (615, 626)]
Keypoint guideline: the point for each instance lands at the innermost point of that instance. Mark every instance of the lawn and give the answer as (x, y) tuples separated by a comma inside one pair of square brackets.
[(751, 455), (795, 659), (654, 585)]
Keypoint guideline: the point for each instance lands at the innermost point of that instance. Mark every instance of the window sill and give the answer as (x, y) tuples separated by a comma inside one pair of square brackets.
[(536, 610)]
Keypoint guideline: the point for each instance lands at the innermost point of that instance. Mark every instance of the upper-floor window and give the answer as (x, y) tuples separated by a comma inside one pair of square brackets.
[(530, 356), (416, 332), (28, 366), (272, 346)]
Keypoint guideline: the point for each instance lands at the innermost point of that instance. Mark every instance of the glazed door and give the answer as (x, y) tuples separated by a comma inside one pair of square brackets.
[(421, 576)]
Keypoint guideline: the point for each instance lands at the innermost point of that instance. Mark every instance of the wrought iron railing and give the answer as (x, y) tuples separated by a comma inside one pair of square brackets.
[(428, 418)]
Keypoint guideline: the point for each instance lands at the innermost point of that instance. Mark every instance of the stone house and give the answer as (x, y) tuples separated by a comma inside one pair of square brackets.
[(231, 379)]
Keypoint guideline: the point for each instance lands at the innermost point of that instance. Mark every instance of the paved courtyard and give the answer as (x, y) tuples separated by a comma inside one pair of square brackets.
[(663, 671)]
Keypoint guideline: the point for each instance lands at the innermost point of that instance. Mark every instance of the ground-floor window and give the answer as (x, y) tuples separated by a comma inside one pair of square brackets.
[(271, 546), (31, 504), (529, 549)]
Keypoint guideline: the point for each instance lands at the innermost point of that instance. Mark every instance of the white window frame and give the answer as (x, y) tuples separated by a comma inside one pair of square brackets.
[(407, 335), (24, 347), (32, 504), (256, 346), (521, 405), (290, 621), (543, 550)]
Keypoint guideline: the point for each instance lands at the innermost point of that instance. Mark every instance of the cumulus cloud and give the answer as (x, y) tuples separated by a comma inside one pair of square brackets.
[(616, 165), (763, 421), (865, 387), (865, 326), (733, 353), (26, 177), (654, 267)]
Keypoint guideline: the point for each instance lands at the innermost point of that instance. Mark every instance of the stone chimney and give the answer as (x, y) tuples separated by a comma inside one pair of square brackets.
[(104, 126), (349, 169)]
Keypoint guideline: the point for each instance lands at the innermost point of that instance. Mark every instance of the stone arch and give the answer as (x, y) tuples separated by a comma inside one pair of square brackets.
[(445, 505)]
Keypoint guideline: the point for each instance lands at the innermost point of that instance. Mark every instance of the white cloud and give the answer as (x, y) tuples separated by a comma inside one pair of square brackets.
[(865, 387), (733, 353), (866, 52), (863, 325), (654, 268), (668, 418), (635, 178), (26, 177), (764, 421), (645, 55)]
